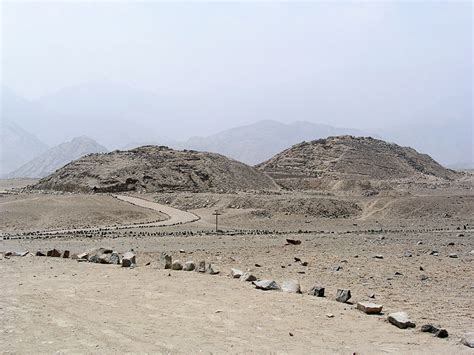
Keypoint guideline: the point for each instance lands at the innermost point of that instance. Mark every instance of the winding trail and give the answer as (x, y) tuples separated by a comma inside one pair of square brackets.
[(175, 215)]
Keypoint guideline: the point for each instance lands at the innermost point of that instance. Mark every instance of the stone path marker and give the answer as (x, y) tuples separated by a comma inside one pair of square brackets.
[(248, 277), (266, 285), (436, 331), (343, 295), (201, 267), (369, 307), (128, 259), (291, 286), (317, 291), (54, 253), (189, 266), (236, 273), (401, 320), (468, 339), (177, 265), (211, 270)]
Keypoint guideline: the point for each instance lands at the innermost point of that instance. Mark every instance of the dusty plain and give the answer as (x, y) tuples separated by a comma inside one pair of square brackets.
[(50, 305)]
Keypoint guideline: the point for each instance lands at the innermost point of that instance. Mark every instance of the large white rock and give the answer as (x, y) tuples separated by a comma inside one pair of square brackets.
[(468, 339), (369, 307), (401, 320), (266, 285), (291, 286)]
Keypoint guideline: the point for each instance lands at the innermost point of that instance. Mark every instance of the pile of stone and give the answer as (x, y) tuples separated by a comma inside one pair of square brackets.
[(96, 255)]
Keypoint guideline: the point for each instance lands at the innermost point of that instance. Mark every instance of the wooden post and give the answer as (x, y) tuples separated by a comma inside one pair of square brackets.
[(217, 214)]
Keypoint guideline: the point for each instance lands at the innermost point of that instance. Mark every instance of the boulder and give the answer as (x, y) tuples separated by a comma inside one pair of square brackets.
[(401, 320), (468, 339), (83, 256), (54, 253), (248, 277), (236, 273), (189, 266), (114, 258), (211, 270), (166, 260), (317, 291), (343, 295), (369, 307), (65, 254), (128, 259), (291, 286), (177, 265), (201, 267), (266, 285)]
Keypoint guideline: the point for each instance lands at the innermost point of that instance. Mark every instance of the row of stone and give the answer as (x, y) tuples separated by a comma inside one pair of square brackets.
[(399, 319), (97, 255)]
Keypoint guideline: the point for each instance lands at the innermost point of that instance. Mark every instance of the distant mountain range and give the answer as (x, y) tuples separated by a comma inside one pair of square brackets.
[(17, 146), (119, 116), (56, 157), (255, 143)]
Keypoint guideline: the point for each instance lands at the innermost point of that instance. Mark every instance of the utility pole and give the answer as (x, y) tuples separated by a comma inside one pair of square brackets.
[(217, 214)]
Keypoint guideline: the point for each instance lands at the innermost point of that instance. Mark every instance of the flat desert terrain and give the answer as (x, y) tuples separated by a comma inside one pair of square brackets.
[(409, 252)]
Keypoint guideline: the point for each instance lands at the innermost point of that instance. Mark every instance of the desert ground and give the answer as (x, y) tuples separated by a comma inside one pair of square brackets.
[(409, 251)]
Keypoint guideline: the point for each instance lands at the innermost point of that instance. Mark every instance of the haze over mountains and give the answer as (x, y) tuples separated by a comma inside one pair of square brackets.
[(56, 157), (119, 116)]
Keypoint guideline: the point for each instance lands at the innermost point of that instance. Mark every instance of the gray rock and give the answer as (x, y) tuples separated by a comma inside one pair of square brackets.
[(189, 266), (291, 286), (453, 255), (436, 331), (177, 265), (468, 339), (408, 254), (317, 291), (128, 259), (236, 273), (114, 258), (369, 307), (401, 320), (248, 277), (211, 270), (201, 267), (343, 295), (83, 256), (166, 260), (378, 256), (266, 285), (54, 253)]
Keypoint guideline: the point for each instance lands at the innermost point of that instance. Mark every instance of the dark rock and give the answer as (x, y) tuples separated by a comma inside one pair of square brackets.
[(189, 266), (54, 253), (343, 295), (128, 259), (176, 265), (248, 277), (293, 241), (201, 267), (40, 253), (317, 291), (65, 254)]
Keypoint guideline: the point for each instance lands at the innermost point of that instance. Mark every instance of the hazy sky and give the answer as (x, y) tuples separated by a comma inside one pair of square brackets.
[(363, 65)]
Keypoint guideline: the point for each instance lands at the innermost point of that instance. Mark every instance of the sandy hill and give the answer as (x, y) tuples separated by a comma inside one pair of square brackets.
[(57, 157), (347, 162), (156, 169)]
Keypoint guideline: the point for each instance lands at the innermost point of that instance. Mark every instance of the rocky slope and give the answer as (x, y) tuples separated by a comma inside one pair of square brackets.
[(57, 157), (156, 169), (350, 163)]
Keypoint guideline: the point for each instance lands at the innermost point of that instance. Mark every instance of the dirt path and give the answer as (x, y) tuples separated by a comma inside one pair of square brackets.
[(175, 217)]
